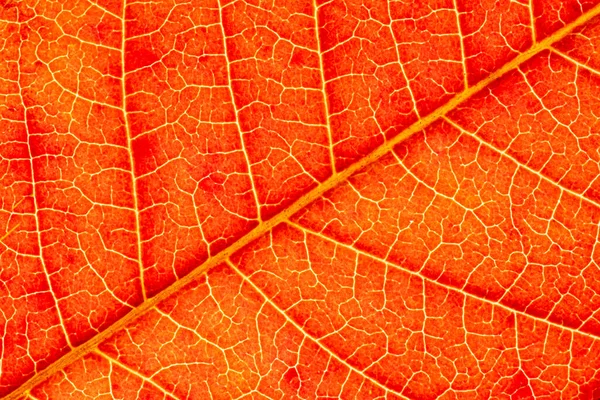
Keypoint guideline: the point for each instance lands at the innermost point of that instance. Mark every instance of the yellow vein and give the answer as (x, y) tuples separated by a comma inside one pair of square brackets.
[(7, 234), (444, 285), (462, 45), (297, 326), (322, 71), (37, 206), (574, 61), (532, 18), (129, 144), (520, 164), (133, 372), (303, 201), (237, 118), (400, 63)]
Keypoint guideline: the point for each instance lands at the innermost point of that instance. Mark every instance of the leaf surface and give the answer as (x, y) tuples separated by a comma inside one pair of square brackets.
[(344, 199)]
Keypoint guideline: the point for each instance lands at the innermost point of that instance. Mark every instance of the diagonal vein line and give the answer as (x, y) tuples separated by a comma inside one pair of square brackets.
[(7, 234), (331, 354), (134, 373), (574, 61), (444, 285), (303, 201), (518, 163)]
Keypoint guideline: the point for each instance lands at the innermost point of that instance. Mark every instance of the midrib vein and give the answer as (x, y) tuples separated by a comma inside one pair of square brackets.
[(303, 201)]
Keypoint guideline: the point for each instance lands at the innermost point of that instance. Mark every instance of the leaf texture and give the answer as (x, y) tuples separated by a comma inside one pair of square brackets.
[(296, 199)]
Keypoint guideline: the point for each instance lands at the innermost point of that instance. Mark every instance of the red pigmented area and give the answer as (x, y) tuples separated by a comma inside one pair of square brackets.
[(145, 141), (275, 74), (96, 377), (544, 115), (552, 15), (299, 315), (380, 319), (493, 32), (80, 166), (219, 338), (583, 45), (429, 46), (457, 212), (367, 90), (195, 194)]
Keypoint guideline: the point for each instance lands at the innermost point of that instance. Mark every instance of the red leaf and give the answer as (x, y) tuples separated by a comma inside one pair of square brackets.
[(332, 199)]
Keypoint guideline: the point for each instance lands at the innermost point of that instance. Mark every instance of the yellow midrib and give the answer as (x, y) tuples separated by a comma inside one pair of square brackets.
[(303, 201)]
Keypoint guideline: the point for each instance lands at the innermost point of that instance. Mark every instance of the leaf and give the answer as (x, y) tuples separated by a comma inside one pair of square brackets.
[(347, 199)]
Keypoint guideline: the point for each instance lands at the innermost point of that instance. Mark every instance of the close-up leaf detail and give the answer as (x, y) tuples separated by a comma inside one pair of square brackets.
[(269, 199)]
